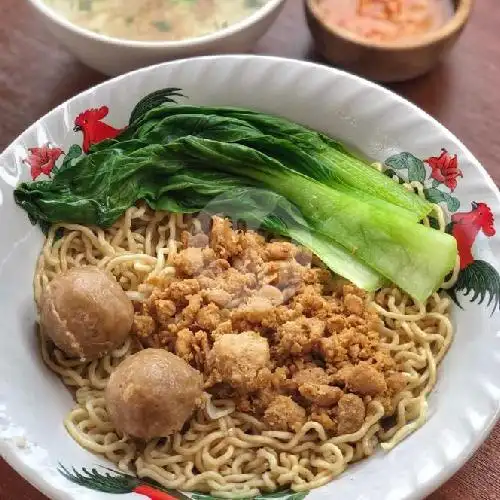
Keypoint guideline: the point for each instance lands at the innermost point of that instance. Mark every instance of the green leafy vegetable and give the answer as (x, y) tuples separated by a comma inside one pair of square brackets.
[(272, 173), (82, 192), (98, 188), (304, 150), (225, 129)]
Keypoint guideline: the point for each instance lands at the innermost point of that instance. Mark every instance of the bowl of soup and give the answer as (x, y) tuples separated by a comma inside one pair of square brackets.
[(116, 36), (386, 40)]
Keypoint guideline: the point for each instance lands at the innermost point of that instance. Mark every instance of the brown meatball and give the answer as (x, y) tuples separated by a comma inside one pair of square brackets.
[(85, 312), (152, 394)]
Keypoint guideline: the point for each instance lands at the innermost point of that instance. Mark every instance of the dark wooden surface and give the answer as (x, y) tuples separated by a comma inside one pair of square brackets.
[(36, 74)]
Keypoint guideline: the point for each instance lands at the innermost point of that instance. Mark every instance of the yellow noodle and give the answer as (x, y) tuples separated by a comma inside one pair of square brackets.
[(232, 456)]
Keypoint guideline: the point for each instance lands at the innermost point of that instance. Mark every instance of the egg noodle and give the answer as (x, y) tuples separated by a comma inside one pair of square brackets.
[(222, 451)]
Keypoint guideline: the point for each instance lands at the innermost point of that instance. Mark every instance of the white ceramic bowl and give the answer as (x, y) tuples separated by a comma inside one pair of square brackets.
[(466, 401), (113, 56)]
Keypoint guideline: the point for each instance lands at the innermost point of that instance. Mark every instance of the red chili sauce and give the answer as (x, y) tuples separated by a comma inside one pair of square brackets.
[(387, 20)]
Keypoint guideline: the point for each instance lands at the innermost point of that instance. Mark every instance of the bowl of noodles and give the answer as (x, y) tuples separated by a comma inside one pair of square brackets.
[(282, 294)]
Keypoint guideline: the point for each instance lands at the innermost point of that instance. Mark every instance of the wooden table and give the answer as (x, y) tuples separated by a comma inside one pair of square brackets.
[(36, 74)]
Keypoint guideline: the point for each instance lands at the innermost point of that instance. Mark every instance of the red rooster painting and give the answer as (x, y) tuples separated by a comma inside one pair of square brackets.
[(94, 130), (476, 276)]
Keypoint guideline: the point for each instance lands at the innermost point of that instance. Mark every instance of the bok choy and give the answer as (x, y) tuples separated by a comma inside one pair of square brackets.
[(299, 148), (131, 172), (272, 173)]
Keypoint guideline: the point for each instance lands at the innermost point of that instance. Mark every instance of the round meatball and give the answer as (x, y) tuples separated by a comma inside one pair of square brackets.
[(152, 394), (85, 312), (237, 359)]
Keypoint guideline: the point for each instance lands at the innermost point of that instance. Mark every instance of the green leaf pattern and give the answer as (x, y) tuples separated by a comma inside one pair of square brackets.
[(413, 165), (416, 171), (435, 195)]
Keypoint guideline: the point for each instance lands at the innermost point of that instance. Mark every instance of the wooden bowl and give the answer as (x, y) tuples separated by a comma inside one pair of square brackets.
[(383, 61)]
